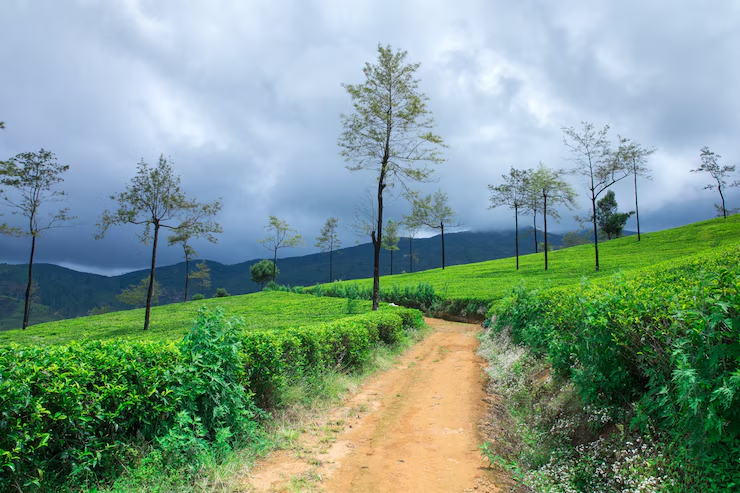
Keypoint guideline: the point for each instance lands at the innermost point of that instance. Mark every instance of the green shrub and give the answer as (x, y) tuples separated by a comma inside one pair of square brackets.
[(666, 341), (275, 358), (221, 293), (66, 410), (198, 297), (211, 381)]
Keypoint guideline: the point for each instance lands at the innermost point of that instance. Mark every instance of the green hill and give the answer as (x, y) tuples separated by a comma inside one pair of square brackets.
[(489, 281), (64, 293)]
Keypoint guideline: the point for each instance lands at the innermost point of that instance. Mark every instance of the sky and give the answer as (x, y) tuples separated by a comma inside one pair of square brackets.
[(244, 97)]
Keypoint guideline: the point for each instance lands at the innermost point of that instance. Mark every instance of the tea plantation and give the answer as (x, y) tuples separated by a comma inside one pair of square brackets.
[(80, 398), (485, 282)]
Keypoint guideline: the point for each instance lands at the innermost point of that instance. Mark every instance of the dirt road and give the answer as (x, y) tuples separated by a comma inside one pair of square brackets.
[(411, 428)]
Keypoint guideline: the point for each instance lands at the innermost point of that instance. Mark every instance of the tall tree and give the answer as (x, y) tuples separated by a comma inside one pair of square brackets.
[(196, 224), (719, 173), (390, 238), (432, 211), (329, 241), (512, 193), (635, 156), (182, 239), (33, 175), (153, 199), (611, 221), (411, 231), (549, 184), (202, 274), (595, 161), (389, 133), (281, 236)]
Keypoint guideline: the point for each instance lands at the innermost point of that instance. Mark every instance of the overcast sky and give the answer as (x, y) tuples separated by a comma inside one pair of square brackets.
[(245, 97)]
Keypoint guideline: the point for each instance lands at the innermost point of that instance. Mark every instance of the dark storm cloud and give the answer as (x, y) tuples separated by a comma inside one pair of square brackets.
[(245, 97)]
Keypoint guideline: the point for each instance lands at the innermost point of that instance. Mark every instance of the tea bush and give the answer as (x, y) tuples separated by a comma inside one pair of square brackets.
[(67, 410), (74, 411), (666, 340)]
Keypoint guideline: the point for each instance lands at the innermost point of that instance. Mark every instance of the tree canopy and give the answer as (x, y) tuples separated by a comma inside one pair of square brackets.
[(389, 132), (153, 199), (610, 220), (281, 236), (33, 175)]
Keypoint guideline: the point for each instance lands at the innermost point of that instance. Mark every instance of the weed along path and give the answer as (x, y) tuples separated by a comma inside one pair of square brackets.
[(411, 428)]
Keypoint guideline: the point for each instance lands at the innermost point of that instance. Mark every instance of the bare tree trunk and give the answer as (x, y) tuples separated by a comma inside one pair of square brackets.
[(274, 265), (331, 264), (391, 262), (27, 308), (596, 232), (411, 254), (516, 235), (544, 220), (442, 228), (376, 237), (637, 210), (150, 291), (535, 231), (721, 196), (187, 277)]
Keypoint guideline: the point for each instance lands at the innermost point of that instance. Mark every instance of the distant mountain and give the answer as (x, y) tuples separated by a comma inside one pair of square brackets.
[(65, 293)]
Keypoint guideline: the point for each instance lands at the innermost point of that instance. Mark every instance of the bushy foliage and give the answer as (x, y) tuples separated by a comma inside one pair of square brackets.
[(421, 296), (211, 381), (667, 341), (198, 297), (275, 358), (72, 412), (67, 410), (222, 293)]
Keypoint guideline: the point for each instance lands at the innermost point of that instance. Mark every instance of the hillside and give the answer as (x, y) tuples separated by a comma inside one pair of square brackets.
[(488, 281), (65, 293)]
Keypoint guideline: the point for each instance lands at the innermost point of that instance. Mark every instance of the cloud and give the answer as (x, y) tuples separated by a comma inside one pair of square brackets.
[(245, 97)]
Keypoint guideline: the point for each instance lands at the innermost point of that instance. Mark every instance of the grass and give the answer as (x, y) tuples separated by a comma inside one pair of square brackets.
[(265, 310), (492, 280)]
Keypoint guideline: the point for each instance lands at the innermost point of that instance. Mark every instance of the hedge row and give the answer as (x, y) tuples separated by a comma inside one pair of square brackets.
[(73, 410), (667, 341)]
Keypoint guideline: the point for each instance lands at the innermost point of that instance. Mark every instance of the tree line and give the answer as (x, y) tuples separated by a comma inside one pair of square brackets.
[(389, 132)]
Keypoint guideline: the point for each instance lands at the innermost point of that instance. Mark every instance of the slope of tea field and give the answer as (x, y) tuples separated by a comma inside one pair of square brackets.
[(263, 310), (489, 281)]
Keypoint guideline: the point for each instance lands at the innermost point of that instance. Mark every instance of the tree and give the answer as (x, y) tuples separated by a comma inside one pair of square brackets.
[(719, 173), (595, 161), (390, 238), (281, 236), (202, 274), (33, 175), (610, 221), (575, 238), (263, 272), (137, 295), (554, 190), (512, 193), (432, 212), (329, 241), (411, 231), (197, 224), (389, 133), (153, 199), (188, 251), (635, 156), (533, 206)]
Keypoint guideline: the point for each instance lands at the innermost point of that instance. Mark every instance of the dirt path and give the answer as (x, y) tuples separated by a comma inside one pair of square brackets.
[(411, 428)]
